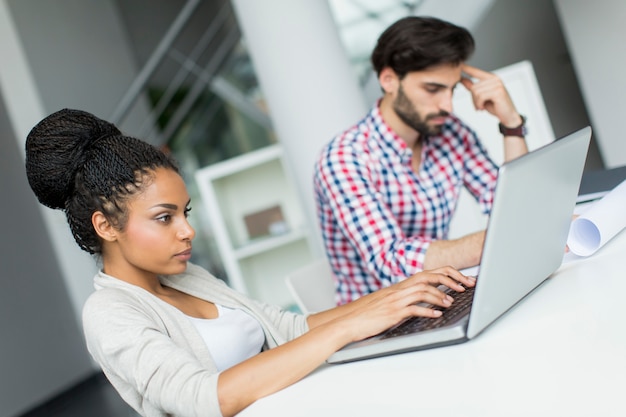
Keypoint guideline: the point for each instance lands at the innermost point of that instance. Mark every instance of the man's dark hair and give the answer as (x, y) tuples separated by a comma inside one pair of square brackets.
[(416, 43)]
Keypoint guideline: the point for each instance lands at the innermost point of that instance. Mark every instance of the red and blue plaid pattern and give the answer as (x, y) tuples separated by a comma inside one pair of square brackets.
[(377, 216)]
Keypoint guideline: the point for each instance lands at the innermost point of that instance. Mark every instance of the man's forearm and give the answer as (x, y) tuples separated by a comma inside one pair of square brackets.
[(459, 253), (514, 147)]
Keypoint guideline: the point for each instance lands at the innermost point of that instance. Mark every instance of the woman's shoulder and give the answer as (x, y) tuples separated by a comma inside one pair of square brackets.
[(117, 302), (108, 304)]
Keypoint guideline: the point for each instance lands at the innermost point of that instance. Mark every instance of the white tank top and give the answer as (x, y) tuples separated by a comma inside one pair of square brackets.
[(232, 337)]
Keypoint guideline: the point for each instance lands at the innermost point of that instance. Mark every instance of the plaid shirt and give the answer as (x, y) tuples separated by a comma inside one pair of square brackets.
[(377, 216)]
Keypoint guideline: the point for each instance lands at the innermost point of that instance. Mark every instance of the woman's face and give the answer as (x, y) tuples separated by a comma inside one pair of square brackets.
[(157, 237)]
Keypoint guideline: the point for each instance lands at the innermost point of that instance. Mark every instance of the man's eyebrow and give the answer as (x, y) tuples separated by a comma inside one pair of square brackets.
[(434, 84), (439, 85)]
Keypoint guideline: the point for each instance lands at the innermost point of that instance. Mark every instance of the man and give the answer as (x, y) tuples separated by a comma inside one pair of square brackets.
[(386, 189)]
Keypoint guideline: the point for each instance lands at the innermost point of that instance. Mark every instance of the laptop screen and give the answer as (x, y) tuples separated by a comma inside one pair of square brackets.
[(528, 226)]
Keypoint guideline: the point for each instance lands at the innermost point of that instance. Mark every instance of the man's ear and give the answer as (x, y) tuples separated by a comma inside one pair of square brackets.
[(388, 80), (103, 227)]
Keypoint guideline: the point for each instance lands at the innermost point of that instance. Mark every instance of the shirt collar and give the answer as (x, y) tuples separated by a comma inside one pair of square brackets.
[(388, 136)]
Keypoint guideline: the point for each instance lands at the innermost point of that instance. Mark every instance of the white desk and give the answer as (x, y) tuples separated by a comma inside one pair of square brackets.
[(560, 352)]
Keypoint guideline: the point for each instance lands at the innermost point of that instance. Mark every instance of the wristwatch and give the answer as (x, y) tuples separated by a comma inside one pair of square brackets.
[(520, 130)]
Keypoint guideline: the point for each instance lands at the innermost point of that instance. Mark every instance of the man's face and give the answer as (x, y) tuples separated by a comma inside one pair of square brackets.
[(423, 99)]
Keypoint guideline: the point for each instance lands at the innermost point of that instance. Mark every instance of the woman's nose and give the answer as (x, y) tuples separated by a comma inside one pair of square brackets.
[(186, 232)]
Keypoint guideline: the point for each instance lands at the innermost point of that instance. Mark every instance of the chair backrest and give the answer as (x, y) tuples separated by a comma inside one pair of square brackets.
[(312, 287), (522, 85)]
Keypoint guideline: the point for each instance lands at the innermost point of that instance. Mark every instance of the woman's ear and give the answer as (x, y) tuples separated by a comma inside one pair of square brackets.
[(103, 227), (388, 80)]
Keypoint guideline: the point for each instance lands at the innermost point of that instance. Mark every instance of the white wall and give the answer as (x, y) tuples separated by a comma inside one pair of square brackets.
[(596, 35)]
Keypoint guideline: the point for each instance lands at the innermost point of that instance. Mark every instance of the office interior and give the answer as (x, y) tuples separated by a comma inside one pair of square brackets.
[(275, 73)]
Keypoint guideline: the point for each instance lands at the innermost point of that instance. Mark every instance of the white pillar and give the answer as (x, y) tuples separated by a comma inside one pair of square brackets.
[(311, 90)]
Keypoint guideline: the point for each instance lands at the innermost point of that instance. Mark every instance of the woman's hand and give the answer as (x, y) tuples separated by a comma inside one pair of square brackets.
[(378, 311)]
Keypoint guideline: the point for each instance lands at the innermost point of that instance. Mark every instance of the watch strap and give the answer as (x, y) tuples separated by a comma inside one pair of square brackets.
[(520, 131)]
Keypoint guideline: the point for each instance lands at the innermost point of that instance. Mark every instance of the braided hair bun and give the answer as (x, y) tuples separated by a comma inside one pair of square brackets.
[(81, 164), (55, 149)]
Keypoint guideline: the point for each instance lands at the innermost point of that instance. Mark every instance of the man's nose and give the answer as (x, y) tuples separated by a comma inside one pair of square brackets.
[(445, 103)]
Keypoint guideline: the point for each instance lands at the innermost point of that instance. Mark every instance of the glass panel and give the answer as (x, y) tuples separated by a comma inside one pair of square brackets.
[(360, 23), (228, 119), (197, 96)]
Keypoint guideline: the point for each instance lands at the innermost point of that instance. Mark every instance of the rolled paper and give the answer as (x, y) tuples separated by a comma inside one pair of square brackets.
[(599, 223)]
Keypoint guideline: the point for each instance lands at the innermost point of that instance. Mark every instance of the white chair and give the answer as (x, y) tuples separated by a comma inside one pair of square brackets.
[(312, 287), (521, 83)]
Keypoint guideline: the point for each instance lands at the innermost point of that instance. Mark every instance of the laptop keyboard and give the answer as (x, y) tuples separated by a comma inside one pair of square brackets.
[(461, 304)]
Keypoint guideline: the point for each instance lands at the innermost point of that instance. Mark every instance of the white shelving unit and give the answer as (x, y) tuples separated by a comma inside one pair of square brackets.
[(247, 184)]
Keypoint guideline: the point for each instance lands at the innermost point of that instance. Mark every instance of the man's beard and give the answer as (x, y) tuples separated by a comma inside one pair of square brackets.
[(405, 110)]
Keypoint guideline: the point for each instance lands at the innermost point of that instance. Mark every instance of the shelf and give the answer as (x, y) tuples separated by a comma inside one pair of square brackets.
[(243, 162), (260, 245), (247, 187)]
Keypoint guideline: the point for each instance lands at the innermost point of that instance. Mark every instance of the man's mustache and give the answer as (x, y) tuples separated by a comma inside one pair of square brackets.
[(442, 113)]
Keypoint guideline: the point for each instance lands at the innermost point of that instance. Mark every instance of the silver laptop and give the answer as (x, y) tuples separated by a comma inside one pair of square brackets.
[(525, 242)]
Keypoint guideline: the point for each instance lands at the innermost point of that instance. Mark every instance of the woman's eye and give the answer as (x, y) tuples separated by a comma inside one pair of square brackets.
[(164, 218), (187, 210)]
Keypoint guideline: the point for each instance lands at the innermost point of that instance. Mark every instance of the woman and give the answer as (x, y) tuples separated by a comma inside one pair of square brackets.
[(171, 338)]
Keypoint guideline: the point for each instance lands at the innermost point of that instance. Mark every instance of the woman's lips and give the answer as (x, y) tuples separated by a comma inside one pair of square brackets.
[(184, 255)]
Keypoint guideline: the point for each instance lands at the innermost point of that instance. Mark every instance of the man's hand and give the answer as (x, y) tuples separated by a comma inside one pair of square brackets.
[(489, 93)]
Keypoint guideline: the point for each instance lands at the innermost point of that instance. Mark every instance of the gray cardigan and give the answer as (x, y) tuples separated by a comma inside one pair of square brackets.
[(153, 355)]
